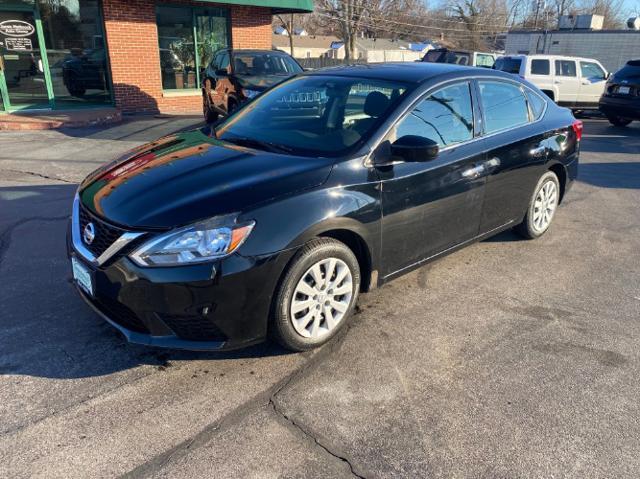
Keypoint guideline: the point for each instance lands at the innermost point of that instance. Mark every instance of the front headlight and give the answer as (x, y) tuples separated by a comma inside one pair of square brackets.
[(205, 241), (249, 93)]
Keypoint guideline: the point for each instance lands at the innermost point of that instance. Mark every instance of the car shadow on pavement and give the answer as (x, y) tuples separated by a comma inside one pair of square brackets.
[(46, 329), (611, 175)]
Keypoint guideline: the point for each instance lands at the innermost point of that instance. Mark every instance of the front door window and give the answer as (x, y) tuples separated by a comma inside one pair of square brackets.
[(22, 66)]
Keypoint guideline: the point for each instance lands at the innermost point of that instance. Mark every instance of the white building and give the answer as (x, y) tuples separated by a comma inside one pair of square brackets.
[(612, 48)]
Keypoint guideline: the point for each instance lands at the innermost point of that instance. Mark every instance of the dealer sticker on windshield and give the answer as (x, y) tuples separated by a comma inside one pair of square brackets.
[(82, 276)]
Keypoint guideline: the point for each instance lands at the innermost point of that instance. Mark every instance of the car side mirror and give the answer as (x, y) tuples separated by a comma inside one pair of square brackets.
[(414, 148), (221, 72), (607, 76)]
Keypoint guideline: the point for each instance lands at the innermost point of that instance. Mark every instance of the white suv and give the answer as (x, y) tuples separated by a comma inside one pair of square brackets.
[(573, 82)]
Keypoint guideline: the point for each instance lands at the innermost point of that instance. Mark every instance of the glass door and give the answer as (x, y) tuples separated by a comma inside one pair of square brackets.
[(22, 76)]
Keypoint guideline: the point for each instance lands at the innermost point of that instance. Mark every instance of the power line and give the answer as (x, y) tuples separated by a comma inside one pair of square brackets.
[(493, 15), (366, 22)]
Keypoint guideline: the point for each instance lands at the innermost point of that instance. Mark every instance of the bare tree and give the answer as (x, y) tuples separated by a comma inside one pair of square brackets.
[(346, 16), (288, 27)]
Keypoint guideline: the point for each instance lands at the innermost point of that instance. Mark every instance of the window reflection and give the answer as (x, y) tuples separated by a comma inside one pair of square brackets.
[(176, 29), (76, 51)]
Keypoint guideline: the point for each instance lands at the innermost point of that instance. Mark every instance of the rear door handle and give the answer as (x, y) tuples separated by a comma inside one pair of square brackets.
[(538, 151)]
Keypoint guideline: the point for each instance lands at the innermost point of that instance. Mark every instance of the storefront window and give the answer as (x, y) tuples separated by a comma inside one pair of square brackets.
[(76, 51), (187, 39)]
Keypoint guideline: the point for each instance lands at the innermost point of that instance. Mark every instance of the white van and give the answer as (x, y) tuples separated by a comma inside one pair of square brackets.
[(573, 82)]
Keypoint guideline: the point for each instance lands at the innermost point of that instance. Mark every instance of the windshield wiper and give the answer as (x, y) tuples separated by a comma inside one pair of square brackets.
[(259, 144)]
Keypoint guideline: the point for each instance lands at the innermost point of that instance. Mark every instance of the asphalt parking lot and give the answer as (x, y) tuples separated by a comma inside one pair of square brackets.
[(507, 359)]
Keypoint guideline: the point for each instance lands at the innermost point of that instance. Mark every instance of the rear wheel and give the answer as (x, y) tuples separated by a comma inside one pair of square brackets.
[(617, 121), (542, 207), (317, 295)]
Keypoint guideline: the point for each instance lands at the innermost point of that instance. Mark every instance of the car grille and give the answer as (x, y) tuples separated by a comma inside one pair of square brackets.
[(193, 328), (119, 313), (105, 234)]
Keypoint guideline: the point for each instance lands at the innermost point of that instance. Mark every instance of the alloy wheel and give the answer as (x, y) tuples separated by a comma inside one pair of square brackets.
[(544, 206), (321, 298)]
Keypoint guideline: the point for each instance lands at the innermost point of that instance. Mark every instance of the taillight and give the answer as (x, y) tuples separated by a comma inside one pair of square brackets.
[(577, 128)]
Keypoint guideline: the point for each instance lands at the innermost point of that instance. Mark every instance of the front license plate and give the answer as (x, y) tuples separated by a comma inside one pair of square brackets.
[(624, 90), (82, 276)]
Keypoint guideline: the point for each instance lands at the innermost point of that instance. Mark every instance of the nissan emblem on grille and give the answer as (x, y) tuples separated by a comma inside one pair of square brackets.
[(89, 233)]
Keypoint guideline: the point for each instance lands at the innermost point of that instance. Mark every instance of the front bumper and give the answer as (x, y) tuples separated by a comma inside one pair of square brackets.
[(622, 107), (212, 306)]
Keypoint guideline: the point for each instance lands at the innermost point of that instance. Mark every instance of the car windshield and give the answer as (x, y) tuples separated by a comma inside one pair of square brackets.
[(264, 63), (509, 65), (314, 115)]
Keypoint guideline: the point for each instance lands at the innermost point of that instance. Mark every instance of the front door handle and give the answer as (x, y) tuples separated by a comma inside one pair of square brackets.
[(473, 172), (481, 169)]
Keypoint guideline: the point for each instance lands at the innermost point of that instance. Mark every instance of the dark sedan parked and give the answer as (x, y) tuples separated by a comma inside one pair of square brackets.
[(620, 101), (268, 223), (235, 76)]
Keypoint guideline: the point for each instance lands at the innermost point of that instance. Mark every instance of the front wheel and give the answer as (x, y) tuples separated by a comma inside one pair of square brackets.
[(617, 121), (542, 207), (316, 296)]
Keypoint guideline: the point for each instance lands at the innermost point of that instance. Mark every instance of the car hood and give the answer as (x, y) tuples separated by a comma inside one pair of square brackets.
[(261, 82), (190, 176)]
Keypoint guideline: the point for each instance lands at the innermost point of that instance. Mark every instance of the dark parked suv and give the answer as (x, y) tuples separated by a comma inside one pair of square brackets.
[(620, 101), (234, 76), (274, 220)]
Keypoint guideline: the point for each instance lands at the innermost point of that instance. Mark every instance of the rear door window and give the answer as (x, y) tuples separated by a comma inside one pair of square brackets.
[(540, 67), (536, 104), (509, 65), (566, 68), (503, 105), (484, 60)]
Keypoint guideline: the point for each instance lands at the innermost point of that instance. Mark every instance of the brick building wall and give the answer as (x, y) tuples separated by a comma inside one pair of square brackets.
[(132, 43)]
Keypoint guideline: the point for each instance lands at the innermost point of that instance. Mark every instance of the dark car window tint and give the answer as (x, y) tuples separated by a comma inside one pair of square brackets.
[(445, 117), (509, 65), (540, 67), (591, 71), (565, 68), (503, 105), (315, 115), (536, 103)]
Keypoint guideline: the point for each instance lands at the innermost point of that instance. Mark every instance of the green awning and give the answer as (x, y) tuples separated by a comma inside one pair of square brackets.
[(278, 6)]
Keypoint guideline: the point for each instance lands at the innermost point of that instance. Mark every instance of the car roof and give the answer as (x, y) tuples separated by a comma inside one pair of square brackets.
[(550, 57), (411, 72), (254, 50)]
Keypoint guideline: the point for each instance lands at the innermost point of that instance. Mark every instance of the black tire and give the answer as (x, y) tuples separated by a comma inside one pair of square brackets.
[(527, 229), (282, 328), (617, 121), (210, 115)]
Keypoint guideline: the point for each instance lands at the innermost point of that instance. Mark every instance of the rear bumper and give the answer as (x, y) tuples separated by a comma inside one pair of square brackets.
[(212, 306), (622, 107)]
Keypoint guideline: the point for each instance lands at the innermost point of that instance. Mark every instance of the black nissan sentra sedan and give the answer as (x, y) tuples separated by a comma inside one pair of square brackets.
[(274, 220)]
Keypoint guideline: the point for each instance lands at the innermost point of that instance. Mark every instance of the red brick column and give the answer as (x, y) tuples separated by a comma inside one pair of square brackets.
[(132, 43)]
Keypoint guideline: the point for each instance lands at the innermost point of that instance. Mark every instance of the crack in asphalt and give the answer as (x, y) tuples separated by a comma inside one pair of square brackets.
[(262, 400), (313, 438), (40, 175), (5, 236)]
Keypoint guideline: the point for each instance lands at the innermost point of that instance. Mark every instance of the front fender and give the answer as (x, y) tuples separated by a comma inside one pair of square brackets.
[(290, 222)]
